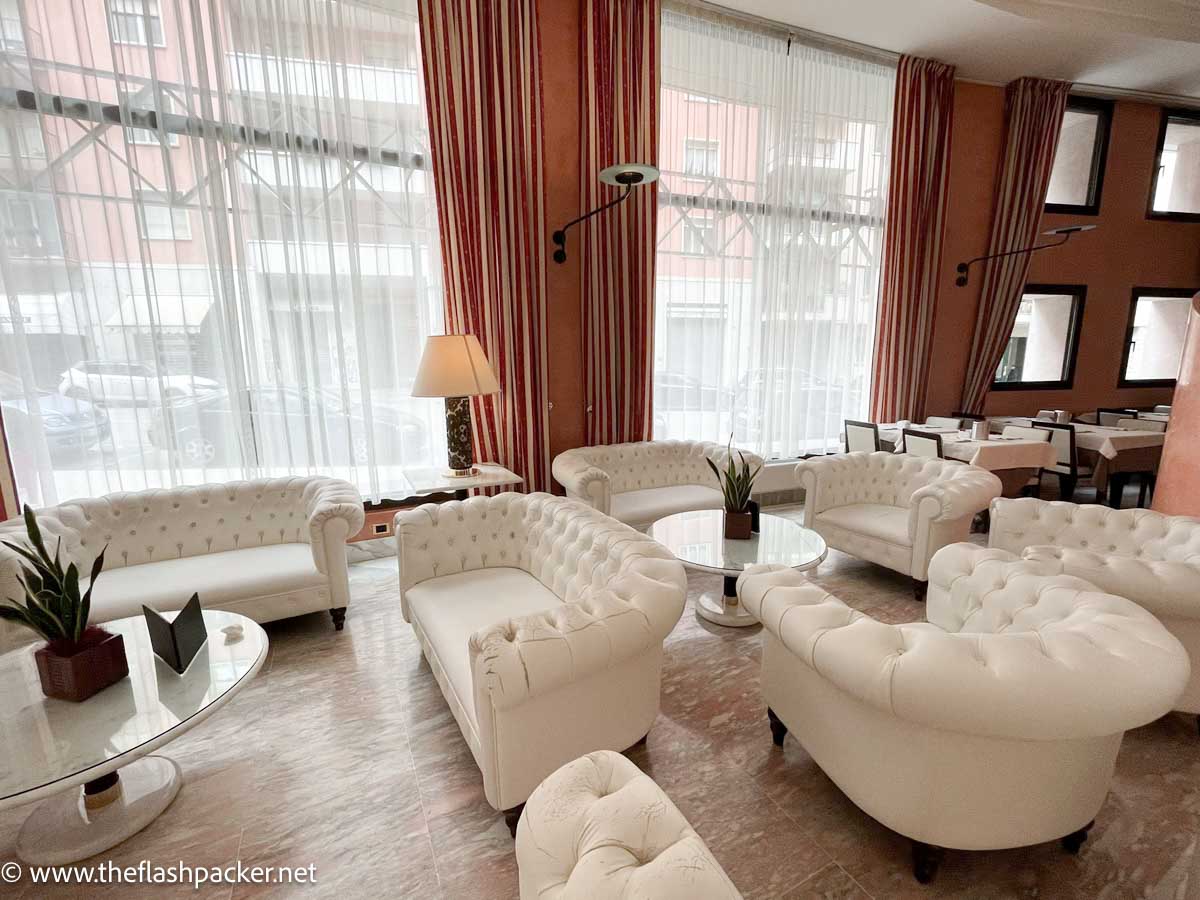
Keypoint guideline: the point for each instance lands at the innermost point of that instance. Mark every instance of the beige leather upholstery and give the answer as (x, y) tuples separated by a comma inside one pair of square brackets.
[(641, 482), (599, 829), (543, 621), (1152, 559), (267, 549), (893, 509), (1000, 721)]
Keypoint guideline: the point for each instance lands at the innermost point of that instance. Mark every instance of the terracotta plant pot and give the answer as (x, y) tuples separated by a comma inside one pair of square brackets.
[(97, 661), (737, 525)]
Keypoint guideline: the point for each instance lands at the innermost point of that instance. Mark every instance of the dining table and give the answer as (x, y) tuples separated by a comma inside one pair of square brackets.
[(1013, 460)]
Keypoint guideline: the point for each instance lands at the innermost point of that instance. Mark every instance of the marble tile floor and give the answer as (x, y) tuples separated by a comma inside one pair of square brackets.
[(343, 754)]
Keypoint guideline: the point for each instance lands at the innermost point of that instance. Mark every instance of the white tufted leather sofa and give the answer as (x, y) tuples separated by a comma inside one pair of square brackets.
[(995, 724), (543, 621), (1152, 559), (267, 549), (893, 509), (599, 829), (641, 482)]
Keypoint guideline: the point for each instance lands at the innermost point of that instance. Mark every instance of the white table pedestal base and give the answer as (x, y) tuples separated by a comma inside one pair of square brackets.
[(713, 606), (61, 830)]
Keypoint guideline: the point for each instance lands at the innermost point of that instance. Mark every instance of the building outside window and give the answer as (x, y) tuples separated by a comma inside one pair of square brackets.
[(1154, 338), (137, 22), (701, 158), (1041, 350), (1077, 177), (1175, 193)]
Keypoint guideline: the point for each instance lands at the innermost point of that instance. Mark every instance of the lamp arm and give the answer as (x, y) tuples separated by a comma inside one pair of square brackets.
[(560, 236), (964, 266)]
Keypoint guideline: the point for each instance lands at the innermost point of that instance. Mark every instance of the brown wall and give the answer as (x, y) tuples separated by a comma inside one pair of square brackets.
[(560, 24), (1125, 251)]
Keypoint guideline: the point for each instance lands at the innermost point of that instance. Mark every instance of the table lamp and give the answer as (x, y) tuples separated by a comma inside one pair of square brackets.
[(453, 366)]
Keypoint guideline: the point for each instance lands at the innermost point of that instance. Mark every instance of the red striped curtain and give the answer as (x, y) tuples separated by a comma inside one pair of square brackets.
[(1033, 112), (923, 111), (619, 123), (483, 83)]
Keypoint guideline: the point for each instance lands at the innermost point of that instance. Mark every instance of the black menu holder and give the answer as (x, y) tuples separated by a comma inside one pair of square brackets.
[(177, 641)]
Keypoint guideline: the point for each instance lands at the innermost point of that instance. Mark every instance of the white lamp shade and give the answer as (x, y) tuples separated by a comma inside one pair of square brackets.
[(453, 365)]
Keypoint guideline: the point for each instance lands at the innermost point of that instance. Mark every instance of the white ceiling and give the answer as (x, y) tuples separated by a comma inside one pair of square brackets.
[(1102, 42)]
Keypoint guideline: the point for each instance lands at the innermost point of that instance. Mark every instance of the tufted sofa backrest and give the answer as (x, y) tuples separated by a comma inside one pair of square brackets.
[(1031, 657), (887, 479), (170, 523), (566, 545), (653, 464), (1028, 522)]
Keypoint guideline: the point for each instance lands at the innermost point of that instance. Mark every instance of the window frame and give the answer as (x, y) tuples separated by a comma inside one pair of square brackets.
[(1104, 110), (711, 146), (145, 28), (1168, 113), (177, 234), (1134, 296), (1074, 330)]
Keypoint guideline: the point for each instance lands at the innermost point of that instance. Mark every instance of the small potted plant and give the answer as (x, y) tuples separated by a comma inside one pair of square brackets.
[(78, 660), (737, 480)]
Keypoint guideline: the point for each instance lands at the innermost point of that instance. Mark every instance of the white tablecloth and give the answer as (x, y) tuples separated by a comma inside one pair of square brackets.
[(1106, 440), (995, 454)]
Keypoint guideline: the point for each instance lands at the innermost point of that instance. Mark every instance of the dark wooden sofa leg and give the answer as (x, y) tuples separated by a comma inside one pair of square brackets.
[(1073, 842), (926, 861), (339, 618), (778, 729), (920, 589), (512, 817)]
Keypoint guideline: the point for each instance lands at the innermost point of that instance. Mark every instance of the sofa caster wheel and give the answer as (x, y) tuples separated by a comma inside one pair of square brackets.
[(926, 860), (512, 817), (920, 589), (778, 729), (1073, 842), (339, 618)]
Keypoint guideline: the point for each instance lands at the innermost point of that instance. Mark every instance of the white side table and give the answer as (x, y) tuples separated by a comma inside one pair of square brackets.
[(50, 748), (698, 541)]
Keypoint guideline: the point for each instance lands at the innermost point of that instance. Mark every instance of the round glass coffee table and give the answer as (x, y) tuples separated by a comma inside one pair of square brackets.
[(49, 748), (698, 541)]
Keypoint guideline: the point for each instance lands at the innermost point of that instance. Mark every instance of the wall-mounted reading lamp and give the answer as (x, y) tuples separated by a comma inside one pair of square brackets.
[(1065, 232), (623, 175)]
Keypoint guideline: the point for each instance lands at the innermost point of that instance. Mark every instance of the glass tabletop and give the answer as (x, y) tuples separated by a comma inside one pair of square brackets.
[(697, 539), (43, 740)]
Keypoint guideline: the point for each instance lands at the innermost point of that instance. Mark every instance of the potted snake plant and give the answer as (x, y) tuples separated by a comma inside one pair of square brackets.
[(78, 659), (737, 480)]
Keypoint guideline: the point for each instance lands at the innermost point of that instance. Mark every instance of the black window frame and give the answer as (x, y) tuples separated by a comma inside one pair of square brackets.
[(1168, 113), (1074, 329), (1134, 296), (1104, 111)]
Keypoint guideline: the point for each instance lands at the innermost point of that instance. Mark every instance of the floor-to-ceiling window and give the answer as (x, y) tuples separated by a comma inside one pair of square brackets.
[(775, 157), (220, 244)]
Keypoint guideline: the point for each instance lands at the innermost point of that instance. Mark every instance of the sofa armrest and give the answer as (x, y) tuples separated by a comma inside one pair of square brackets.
[(582, 480), (529, 656), (950, 499), (334, 510)]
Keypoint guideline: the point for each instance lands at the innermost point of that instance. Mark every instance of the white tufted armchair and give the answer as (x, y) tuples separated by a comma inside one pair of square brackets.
[(995, 724), (893, 509), (267, 549), (1152, 559), (641, 482), (543, 622), (599, 829)]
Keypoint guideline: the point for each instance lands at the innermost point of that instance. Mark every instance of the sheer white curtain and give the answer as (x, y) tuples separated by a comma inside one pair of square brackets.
[(775, 161), (220, 255)]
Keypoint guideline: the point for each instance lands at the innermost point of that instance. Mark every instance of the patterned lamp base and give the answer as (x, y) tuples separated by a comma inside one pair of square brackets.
[(458, 437)]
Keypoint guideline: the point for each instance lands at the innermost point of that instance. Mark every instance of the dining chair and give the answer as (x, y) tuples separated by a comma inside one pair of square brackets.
[(1067, 468), (970, 417), (1111, 416), (944, 422), (923, 443), (1048, 415), (1142, 424), (861, 436)]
